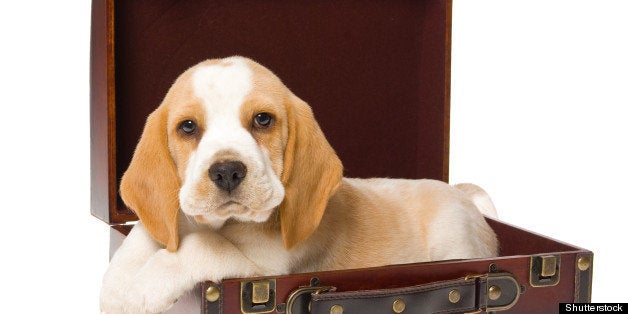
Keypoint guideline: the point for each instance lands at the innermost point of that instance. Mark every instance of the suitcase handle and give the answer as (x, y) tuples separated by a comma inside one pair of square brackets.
[(471, 294)]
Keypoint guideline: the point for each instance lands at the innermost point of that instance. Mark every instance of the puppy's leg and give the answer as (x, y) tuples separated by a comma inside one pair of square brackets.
[(136, 249), (168, 275)]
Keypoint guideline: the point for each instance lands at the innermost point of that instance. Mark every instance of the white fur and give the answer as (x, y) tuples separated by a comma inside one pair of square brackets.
[(137, 248), (143, 277), (222, 90)]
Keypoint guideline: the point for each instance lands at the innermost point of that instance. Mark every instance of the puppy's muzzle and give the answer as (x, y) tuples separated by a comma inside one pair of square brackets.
[(227, 175)]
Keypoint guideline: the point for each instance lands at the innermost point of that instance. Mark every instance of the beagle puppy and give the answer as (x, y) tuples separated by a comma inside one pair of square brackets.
[(233, 177)]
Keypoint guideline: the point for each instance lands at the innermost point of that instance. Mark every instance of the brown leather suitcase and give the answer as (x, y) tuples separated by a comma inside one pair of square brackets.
[(377, 75)]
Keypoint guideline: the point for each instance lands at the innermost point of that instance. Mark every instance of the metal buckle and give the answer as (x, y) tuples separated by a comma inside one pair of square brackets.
[(474, 277), (303, 292)]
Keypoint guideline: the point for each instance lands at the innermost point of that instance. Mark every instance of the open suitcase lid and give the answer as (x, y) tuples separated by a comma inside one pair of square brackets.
[(376, 73)]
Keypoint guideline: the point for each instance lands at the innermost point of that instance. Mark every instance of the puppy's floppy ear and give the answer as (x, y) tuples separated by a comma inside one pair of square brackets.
[(150, 186), (312, 174)]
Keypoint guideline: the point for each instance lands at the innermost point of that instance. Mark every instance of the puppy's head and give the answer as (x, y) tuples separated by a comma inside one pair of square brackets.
[(230, 141)]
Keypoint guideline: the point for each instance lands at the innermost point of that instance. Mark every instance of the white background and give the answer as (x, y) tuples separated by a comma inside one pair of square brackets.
[(539, 118), (539, 98)]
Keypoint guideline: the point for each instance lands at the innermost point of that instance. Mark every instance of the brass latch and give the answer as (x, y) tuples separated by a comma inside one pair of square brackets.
[(258, 296), (261, 291), (544, 270)]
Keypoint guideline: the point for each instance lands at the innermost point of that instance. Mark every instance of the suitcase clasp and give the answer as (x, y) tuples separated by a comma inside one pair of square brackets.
[(258, 296), (544, 270)]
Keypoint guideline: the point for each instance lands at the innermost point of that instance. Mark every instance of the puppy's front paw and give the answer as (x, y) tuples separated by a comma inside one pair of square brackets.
[(113, 289), (111, 299), (145, 297), (158, 285)]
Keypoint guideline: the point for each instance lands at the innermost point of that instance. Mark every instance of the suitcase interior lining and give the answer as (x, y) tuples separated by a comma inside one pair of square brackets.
[(375, 72)]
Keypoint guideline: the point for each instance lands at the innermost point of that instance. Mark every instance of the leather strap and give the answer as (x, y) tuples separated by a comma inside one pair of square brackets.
[(452, 296)]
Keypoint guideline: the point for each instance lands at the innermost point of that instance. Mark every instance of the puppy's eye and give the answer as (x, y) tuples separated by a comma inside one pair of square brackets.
[(262, 120), (188, 127)]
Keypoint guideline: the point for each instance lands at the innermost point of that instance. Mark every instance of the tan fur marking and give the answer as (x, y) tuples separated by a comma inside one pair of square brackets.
[(150, 185), (309, 182), (181, 145)]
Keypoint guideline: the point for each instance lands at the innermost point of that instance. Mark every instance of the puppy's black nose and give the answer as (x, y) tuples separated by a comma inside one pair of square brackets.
[(227, 175)]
